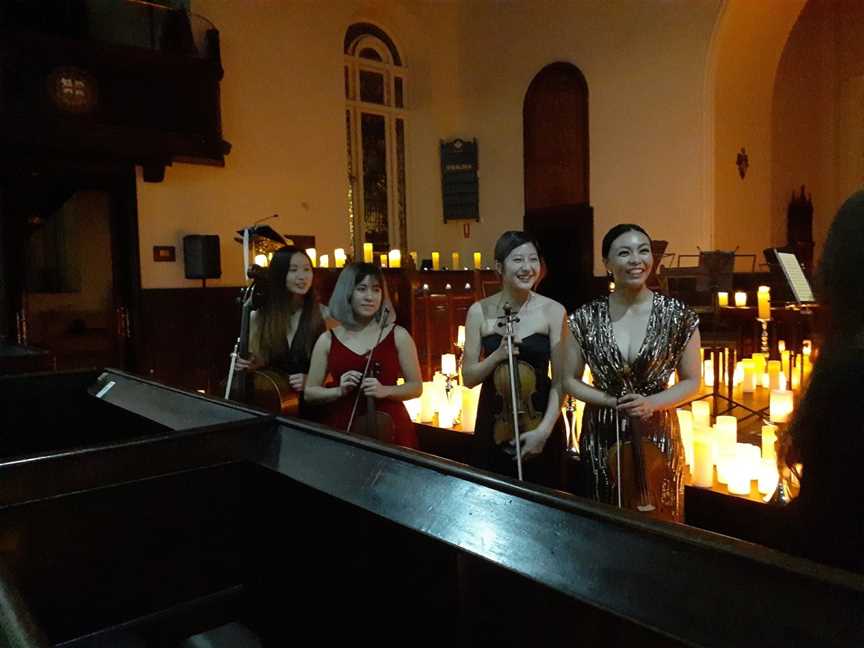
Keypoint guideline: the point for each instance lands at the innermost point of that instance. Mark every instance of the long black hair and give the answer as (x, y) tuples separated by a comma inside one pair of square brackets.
[(276, 312)]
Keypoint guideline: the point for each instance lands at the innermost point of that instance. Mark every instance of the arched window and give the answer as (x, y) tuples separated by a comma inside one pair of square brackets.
[(375, 116)]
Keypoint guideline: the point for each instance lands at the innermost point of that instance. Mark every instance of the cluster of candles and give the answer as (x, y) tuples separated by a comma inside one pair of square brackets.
[(445, 401), (707, 446), (393, 259), (763, 301), (759, 372)]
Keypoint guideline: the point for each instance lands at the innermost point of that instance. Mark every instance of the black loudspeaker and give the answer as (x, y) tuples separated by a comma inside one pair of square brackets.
[(201, 256)]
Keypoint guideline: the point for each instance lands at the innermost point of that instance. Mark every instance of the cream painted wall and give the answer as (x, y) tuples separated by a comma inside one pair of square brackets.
[(470, 64), (747, 49)]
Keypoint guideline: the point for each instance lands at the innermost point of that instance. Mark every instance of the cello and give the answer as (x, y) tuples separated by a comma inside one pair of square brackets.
[(264, 388), (638, 467)]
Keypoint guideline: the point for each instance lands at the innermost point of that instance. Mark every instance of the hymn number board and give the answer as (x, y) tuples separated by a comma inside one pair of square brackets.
[(459, 184)]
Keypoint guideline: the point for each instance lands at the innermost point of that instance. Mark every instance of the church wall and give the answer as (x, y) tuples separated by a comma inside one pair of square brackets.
[(470, 65)]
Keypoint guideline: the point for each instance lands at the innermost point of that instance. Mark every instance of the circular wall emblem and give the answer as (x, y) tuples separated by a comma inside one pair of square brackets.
[(73, 90)]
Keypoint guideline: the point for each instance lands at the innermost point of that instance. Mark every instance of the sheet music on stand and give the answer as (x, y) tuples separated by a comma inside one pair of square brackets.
[(801, 289)]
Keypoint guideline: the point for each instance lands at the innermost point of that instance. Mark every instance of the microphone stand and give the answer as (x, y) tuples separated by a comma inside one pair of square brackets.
[(385, 315)]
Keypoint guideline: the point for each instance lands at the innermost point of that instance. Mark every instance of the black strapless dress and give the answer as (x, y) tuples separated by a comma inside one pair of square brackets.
[(545, 469)]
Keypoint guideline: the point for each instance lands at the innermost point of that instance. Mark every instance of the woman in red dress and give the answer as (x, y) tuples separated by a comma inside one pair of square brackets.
[(361, 306)]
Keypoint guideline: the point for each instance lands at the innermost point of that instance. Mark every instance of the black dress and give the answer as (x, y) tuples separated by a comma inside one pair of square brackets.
[(546, 468)]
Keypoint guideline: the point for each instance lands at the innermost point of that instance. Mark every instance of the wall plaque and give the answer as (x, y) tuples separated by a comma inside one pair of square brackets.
[(459, 183)]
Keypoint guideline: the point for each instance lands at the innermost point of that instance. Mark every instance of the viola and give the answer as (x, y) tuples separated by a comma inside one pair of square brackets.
[(265, 388), (526, 415), (374, 424)]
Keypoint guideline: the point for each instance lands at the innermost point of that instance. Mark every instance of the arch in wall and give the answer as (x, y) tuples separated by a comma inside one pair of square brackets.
[(743, 57)]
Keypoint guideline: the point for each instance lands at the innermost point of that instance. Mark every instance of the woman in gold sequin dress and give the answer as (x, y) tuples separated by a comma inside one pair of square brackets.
[(632, 339)]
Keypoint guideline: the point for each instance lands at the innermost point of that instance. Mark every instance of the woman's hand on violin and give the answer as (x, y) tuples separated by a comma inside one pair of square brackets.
[(373, 387), (531, 443), (349, 381), (500, 354), (636, 405), (297, 381)]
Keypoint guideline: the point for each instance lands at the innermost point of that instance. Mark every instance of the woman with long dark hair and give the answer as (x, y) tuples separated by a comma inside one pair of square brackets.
[(538, 334), (361, 305), (282, 332), (827, 433), (632, 339)]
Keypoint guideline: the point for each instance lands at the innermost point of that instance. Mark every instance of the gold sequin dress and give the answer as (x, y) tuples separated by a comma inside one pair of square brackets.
[(670, 326)]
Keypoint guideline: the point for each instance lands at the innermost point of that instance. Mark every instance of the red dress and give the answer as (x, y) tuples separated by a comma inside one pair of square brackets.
[(342, 359)]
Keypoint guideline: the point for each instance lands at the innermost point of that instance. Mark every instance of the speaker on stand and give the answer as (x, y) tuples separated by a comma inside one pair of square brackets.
[(202, 260)]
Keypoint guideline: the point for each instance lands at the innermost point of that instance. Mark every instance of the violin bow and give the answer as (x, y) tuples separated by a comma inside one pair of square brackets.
[(509, 321), (385, 315)]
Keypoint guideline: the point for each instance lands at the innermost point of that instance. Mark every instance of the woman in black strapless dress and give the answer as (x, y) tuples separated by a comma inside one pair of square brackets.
[(538, 336)]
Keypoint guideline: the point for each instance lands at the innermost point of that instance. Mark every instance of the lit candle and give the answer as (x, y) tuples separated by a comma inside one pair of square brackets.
[(339, 257), (738, 374), (780, 405), (740, 299), (312, 253), (785, 358), (324, 261), (769, 438), (427, 403), (436, 261), (395, 259), (383, 260), (806, 347), (261, 260), (726, 464), (722, 299), (796, 379), (748, 381), (781, 345), (727, 434), (460, 337), (368, 254), (763, 303), (448, 364), (703, 464), (413, 406), (774, 373), (470, 399), (701, 414), (685, 423), (738, 476), (768, 476), (708, 372), (478, 261), (414, 259), (758, 366), (454, 261)]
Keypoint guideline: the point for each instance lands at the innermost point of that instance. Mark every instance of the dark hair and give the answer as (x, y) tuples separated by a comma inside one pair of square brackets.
[(276, 312), (510, 240), (617, 231), (837, 279), (349, 279)]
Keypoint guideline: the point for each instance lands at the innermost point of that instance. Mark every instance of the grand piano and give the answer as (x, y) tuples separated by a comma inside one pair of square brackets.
[(134, 514)]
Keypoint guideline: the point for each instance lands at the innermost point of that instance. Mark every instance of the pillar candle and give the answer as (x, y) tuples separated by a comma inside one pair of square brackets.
[(769, 438), (701, 414), (768, 476), (460, 337), (454, 261), (312, 253), (722, 299), (339, 257), (470, 399), (427, 403), (703, 464), (324, 261), (368, 254), (448, 364), (685, 423), (436, 261), (478, 261), (740, 299), (708, 372), (763, 303), (774, 373), (395, 259), (727, 433), (759, 366), (781, 345), (785, 360), (780, 405), (383, 258), (748, 381)]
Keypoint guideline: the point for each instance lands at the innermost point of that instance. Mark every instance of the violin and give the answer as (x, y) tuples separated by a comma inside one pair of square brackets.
[(639, 470), (374, 424), (515, 383), (264, 388)]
